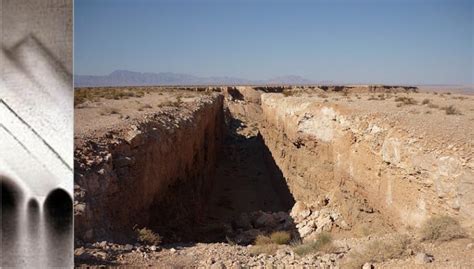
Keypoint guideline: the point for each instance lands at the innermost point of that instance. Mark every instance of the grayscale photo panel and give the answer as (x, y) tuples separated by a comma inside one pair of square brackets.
[(36, 132)]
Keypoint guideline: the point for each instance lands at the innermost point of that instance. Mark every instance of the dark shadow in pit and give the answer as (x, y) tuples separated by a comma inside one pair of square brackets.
[(12, 198), (58, 228), (248, 185)]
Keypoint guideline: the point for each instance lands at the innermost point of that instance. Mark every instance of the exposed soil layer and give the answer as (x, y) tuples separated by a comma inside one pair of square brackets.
[(153, 171)]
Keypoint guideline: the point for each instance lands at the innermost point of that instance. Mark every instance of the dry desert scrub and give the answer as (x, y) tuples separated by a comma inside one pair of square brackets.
[(269, 244), (379, 251), (287, 93), (451, 110), (280, 238), (262, 240), (147, 236), (94, 94), (323, 242), (406, 100), (263, 244), (441, 228), (269, 249)]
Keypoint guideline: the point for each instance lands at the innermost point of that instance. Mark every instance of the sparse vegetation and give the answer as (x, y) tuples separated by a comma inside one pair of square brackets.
[(262, 240), (280, 237), (287, 93), (425, 101), (269, 249), (378, 251), (441, 228), (94, 94), (451, 110), (269, 244), (176, 103), (406, 100), (431, 105), (147, 236), (322, 242)]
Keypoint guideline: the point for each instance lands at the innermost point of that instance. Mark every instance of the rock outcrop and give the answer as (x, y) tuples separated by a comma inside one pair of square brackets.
[(361, 163)]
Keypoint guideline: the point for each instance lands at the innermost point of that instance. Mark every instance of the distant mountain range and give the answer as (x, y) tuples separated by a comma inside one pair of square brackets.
[(130, 78)]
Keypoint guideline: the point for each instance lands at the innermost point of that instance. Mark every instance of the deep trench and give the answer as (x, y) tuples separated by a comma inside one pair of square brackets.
[(247, 180)]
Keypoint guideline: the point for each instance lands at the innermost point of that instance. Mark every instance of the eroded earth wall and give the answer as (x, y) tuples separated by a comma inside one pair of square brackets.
[(154, 173), (359, 162)]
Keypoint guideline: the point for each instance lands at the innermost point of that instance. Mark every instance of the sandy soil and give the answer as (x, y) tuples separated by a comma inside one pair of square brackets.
[(98, 117)]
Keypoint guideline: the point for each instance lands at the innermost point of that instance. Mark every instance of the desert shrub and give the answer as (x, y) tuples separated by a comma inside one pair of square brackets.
[(379, 251), (425, 101), (262, 240), (269, 249), (287, 93), (406, 100), (147, 236), (170, 103), (372, 98), (280, 237), (323, 242), (433, 105), (441, 228), (451, 110)]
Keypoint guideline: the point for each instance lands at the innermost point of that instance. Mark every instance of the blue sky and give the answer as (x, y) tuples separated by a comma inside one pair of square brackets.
[(385, 41)]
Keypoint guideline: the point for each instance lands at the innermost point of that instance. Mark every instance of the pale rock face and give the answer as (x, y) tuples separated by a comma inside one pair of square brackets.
[(398, 170), (391, 150), (320, 126)]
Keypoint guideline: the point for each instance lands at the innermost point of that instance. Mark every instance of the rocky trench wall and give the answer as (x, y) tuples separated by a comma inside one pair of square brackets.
[(359, 165), (156, 175)]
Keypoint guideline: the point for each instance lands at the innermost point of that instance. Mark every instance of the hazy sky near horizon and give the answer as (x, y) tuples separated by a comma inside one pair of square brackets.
[(385, 41)]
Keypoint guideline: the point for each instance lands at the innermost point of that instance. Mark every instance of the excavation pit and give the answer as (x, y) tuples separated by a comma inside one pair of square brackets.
[(226, 164)]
